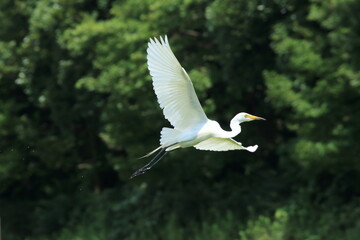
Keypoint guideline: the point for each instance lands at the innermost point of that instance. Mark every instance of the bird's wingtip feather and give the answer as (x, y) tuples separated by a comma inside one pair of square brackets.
[(252, 148), (162, 40), (151, 41)]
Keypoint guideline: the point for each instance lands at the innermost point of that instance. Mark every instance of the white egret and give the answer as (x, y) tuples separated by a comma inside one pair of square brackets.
[(177, 98)]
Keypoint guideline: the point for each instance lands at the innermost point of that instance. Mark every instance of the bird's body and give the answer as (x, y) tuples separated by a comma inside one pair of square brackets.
[(177, 98), (193, 135)]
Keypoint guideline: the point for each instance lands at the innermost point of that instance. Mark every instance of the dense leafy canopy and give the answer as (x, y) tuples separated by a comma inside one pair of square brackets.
[(77, 109)]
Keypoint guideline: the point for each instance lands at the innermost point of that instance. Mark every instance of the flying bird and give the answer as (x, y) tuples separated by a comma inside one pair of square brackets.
[(176, 96)]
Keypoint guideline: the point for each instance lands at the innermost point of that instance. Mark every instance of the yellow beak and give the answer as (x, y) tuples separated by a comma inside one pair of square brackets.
[(254, 117)]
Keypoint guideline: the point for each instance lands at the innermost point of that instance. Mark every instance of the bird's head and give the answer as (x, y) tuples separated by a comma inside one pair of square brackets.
[(246, 117)]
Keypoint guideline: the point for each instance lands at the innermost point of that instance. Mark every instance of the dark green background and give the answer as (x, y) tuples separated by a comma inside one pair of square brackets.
[(77, 108)]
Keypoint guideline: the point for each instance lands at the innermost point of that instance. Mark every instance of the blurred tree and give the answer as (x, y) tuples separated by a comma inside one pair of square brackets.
[(315, 90)]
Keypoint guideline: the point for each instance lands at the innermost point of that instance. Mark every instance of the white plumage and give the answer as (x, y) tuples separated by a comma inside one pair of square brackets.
[(176, 96), (173, 87), (223, 144)]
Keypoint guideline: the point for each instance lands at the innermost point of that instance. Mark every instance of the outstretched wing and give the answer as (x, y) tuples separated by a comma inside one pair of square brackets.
[(223, 144), (173, 87)]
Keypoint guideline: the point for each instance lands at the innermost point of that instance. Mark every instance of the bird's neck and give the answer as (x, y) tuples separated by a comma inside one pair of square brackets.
[(235, 129)]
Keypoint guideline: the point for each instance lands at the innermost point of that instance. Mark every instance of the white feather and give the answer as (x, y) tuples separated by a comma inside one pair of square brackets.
[(173, 87), (223, 144)]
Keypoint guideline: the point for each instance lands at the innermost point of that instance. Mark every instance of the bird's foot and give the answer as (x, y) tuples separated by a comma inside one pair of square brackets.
[(139, 172)]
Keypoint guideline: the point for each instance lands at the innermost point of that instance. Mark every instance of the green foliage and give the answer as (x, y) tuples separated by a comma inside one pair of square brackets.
[(265, 228), (77, 109)]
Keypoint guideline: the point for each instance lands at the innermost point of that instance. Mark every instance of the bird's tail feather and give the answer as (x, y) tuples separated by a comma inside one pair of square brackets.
[(172, 147), (168, 139), (167, 149), (169, 136), (151, 153)]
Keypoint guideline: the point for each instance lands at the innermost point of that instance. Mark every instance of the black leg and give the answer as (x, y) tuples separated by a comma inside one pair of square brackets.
[(156, 161), (153, 161), (150, 164), (156, 156)]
